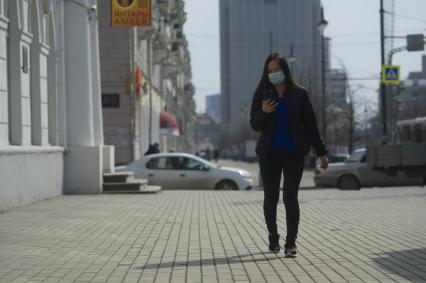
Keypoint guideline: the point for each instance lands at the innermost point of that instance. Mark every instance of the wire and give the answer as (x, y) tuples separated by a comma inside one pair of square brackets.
[(355, 79), (247, 41), (406, 17)]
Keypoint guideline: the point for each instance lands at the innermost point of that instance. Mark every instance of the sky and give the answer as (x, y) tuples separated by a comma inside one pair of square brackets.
[(353, 26)]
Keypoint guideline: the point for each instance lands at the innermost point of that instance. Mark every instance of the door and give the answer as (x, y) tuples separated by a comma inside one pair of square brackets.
[(160, 172), (191, 174)]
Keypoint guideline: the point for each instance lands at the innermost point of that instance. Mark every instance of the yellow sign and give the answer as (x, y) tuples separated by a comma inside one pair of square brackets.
[(128, 13), (391, 74)]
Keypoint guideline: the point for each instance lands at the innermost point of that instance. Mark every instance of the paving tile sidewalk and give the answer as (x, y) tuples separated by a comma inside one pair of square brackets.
[(372, 235)]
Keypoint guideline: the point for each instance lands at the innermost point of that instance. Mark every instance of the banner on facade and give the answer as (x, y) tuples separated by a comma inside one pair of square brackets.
[(129, 13)]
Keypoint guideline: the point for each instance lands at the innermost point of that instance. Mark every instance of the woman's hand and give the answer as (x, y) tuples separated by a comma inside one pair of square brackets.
[(324, 162), (269, 105)]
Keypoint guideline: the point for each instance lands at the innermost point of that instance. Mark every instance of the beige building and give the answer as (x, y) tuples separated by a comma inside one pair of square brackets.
[(145, 73)]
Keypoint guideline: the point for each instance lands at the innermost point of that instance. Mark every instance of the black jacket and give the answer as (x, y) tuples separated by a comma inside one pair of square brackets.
[(301, 118)]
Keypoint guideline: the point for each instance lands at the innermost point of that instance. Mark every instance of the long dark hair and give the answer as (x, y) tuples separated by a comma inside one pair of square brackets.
[(264, 83)]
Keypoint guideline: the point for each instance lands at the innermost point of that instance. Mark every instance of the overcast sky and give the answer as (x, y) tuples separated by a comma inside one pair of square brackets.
[(353, 27)]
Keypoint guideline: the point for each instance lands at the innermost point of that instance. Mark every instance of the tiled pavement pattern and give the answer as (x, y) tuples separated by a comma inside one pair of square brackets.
[(373, 235)]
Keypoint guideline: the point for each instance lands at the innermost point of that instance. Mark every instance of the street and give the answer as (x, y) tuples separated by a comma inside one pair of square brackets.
[(372, 235)]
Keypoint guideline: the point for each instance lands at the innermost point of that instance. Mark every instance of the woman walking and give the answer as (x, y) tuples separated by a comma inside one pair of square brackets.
[(282, 112)]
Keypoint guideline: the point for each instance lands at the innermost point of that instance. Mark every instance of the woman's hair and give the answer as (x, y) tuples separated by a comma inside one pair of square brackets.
[(264, 83)]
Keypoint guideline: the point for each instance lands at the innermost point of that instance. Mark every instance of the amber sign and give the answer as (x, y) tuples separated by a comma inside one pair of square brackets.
[(129, 13)]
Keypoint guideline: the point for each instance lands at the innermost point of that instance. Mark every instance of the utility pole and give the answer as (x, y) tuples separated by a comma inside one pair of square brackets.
[(322, 25), (382, 85), (270, 41)]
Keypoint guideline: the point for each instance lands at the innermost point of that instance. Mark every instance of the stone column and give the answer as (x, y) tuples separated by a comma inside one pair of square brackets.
[(108, 159), (78, 74), (83, 162)]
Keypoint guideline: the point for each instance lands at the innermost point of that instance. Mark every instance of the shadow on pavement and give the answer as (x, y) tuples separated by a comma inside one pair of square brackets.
[(409, 264), (211, 262)]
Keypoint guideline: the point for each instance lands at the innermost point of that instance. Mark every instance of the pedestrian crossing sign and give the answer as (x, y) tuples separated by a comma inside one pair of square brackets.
[(391, 74)]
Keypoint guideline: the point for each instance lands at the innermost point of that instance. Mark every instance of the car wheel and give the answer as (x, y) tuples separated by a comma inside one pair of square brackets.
[(226, 185), (348, 182)]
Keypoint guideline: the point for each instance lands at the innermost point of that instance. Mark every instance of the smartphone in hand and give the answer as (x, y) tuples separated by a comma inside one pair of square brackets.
[(269, 94)]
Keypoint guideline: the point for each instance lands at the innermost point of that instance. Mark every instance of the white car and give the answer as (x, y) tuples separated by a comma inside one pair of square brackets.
[(188, 172), (354, 174)]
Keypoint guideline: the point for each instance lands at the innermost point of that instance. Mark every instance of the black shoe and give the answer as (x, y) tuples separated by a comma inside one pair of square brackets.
[(290, 250), (274, 243)]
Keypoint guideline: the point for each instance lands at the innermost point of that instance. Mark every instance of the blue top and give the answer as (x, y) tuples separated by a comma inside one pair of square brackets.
[(281, 138)]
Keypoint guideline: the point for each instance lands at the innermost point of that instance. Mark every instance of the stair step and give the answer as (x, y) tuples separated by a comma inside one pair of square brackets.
[(148, 190), (128, 186), (117, 177), (152, 189)]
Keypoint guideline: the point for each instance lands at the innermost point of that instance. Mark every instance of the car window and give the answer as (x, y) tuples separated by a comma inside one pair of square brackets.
[(159, 163), (174, 163), (356, 156), (186, 163)]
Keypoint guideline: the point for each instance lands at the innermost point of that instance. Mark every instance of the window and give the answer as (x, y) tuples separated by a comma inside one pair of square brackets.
[(406, 134), (356, 156), (159, 163), (25, 59), (418, 133), (111, 100), (174, 163), (190, 164)]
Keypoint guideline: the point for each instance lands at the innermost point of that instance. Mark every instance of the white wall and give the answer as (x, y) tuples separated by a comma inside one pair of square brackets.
[(33, 174)]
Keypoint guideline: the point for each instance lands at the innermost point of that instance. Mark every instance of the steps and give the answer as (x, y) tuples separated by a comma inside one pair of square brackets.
[(126, 183)]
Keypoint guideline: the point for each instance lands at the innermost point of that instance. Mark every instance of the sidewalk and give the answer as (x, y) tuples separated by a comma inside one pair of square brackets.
[(372, 235)]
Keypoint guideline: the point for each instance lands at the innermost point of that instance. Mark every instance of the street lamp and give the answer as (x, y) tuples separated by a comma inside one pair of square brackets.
[(291, 59), (365, 125), (322, 25)]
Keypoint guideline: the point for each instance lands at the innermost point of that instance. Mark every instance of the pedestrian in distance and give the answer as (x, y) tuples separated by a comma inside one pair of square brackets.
[(281, 110), (208, 155), (151, 150), (156, 147), (216, 154)]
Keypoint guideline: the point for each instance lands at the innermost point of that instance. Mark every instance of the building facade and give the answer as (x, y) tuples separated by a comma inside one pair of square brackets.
[(213, 106), (250, 31), (51, 134), (146, 72), (411, 103)]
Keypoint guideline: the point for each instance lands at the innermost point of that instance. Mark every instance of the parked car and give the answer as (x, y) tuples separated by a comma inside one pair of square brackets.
[(187, 171), (354, 174)]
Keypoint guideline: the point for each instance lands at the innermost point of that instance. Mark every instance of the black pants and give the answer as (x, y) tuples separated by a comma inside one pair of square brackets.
[(290, 164)]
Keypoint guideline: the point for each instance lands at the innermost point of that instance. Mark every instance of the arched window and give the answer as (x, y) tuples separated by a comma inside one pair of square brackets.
[(38, 74), (52, 79), (4, 104)]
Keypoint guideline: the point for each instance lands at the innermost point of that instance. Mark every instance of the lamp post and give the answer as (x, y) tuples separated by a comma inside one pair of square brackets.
[(322, 25), (291, 59), (365, 125)]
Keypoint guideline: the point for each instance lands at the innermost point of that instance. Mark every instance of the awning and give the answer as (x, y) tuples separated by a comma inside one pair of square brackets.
[(168, 124)]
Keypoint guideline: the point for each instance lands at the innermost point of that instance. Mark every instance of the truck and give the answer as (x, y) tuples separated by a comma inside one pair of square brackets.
[(407, 156)]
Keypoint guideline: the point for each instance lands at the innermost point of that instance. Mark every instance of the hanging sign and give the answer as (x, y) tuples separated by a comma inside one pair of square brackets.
[(129, 13)]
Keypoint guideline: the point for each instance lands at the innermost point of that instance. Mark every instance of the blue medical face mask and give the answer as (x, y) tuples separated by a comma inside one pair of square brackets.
[(276, 78)]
